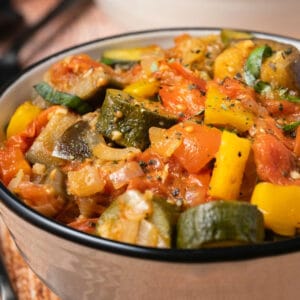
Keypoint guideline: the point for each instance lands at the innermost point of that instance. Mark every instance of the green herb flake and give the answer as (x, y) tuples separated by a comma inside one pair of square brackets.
[(291, 126)]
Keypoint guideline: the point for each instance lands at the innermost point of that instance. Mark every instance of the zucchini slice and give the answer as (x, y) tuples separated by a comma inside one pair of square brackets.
[(126, 120), (136, 218), (229, 35), (220, 223), (56, 97), (126, 55)]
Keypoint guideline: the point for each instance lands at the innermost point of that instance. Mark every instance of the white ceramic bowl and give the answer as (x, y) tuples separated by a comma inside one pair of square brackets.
[(80, 266)]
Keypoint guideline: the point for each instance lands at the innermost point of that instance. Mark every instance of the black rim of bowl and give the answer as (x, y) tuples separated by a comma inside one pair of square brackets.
[(168, 255)]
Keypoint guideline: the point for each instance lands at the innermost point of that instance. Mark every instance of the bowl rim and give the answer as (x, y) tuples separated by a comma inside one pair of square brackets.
[(241, 252)]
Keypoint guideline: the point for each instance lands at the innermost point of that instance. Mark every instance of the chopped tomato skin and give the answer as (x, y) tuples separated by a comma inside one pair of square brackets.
[(181, 92), (199, 146), (12, 160), (274, 162), (85, 225), (188, 75), (63, 71), (12, 155)]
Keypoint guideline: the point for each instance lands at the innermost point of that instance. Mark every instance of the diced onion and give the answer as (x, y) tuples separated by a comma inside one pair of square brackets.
[(107, 153), (122, 176), (85, 181), (148, 234), (163, 141)]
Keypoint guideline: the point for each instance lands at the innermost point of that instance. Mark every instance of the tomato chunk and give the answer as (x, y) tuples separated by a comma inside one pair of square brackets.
[(273, 160), (199, 145)]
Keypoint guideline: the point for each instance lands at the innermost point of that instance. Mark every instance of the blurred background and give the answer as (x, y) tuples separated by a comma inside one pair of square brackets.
[(84, 20)]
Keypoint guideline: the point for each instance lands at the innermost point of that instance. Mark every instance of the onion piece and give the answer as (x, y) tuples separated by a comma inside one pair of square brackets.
[(106, 153), (85, 181), (122, 176), (163, 141)]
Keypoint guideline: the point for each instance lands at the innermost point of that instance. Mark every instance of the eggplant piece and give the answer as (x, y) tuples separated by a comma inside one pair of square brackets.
[(76, 142), (42, 148), (126, 120)]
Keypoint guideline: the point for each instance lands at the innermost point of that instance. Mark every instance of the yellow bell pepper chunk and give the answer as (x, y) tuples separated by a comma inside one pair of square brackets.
[(21, 118), (280, 206), (229, 168), (144, 88), (219, 110)]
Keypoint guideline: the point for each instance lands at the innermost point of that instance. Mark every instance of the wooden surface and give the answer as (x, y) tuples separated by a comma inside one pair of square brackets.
[(80, 24)]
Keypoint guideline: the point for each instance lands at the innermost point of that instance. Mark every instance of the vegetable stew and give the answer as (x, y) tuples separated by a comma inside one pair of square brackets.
[(193, 146)]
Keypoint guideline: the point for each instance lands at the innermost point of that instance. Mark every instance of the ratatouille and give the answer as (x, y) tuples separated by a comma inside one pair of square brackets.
[(193, 146)]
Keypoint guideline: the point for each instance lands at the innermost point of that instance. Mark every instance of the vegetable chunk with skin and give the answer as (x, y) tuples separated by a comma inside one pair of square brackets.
[(220, 223), (79, 75), (280, 206), (126, 120), (199, 145), (230, 164), (192, 145), (223, 111), (138, 219), (24, 114)]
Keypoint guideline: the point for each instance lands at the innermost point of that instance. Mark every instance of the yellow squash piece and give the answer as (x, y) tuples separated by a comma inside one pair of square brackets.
[(144, 88), (229, 167), (127, 54), (280, 206), (219, 110), (231, 61), (24, 114)]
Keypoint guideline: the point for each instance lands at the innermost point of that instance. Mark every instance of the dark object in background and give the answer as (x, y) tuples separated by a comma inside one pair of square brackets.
[(9, 62), (10, 19)]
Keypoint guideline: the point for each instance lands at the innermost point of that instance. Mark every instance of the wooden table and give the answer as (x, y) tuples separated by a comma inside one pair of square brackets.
[(78, 25)]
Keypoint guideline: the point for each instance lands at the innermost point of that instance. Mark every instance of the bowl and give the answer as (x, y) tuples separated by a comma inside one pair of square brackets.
[(79, 266)]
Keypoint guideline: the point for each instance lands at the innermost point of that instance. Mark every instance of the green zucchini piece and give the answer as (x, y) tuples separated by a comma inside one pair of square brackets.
[(228, 35), (126, 120), (55, 97), (137, 218), (220, 223), (125, 55), (164, 217)]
